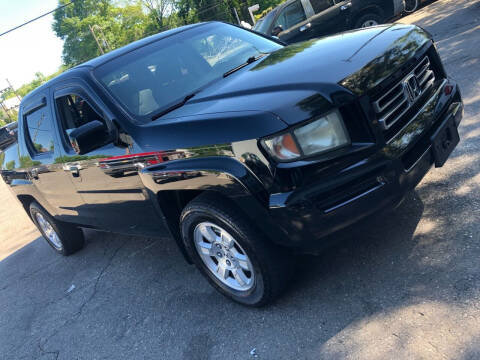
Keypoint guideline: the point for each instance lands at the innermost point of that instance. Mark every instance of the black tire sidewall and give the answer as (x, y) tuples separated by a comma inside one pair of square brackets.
[(34, 208), (364, 18), (70, 236), (190, 219)]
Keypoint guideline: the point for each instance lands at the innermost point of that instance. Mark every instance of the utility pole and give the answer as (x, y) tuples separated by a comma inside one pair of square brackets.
[(6, 111), (251, 10), (3, 105), (236, 16), (11, 87), (96, 40), (105, 45)]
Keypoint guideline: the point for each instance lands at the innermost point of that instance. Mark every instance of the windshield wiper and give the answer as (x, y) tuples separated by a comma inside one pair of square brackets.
[(173, 107), (250, 60)]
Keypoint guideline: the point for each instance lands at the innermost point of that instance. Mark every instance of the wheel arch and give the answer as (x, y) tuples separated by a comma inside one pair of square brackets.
[(173, 185), (369, 9), (26, 200)]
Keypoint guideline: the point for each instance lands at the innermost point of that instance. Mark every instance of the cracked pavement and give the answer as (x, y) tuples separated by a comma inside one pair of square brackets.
[(403, 285)]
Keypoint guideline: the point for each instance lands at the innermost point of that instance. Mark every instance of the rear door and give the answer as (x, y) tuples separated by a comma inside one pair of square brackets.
[(106, 178), (39, 156), (331, 16)]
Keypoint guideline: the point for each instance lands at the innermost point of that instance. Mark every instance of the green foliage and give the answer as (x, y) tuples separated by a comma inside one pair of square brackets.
[(260, 15), (116, 24), (23, 90), (27, 162), (74, 158), (113, 26), (10, 165), (8, 118)]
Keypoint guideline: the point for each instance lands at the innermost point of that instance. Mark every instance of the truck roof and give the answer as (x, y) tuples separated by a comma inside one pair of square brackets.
[(114, 54)]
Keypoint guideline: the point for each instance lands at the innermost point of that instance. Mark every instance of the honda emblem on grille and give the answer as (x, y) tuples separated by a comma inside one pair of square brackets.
[(412, 88)]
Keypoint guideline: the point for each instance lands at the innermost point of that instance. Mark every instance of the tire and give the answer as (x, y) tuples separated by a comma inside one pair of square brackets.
[(69, 238), (369, 19), (270, 266), (411, 6)]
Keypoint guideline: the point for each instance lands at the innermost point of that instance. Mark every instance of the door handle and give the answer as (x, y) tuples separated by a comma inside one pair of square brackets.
[(74, 171), (305, 27), (346, 6)]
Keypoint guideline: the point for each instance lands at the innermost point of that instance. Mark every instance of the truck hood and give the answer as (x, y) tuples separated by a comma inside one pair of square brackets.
[(300, 80)]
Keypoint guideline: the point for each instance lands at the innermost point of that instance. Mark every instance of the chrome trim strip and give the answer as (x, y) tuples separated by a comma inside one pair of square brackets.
[(354, 198), (425, 74), (437, 93), (383, 120), (376, 104), (419, 159)]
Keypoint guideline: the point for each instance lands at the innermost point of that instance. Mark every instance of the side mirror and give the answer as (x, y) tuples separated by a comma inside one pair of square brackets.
[(90, 136), (277, 30)]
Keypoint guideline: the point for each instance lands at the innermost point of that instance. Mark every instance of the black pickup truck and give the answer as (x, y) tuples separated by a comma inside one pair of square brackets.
[(246, 150)]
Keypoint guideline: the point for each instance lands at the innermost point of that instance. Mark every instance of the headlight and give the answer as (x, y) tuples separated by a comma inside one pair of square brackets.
[(324, 134), (283, 147)]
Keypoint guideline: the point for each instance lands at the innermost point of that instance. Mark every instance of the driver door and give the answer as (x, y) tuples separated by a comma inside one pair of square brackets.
[(331, 16), (106, 178)]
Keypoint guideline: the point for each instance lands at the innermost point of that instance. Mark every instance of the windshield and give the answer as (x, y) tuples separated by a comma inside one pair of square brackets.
[(152, 78), (263, 24), (258, 24)]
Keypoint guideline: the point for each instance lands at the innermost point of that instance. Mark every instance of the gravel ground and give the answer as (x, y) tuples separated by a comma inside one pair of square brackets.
[(405, 287)]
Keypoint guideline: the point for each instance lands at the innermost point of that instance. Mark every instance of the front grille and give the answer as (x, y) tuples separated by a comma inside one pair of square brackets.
[(391, 106)]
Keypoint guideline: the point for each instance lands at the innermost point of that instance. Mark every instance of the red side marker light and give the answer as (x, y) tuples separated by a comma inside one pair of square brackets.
[(448, 89)]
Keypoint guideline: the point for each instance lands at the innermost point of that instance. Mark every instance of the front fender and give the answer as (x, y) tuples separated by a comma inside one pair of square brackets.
[(222, 174), (227, 177)]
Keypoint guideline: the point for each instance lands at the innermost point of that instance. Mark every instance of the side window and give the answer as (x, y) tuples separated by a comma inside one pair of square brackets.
[(321, 5), (74, 111), (39, 131), (291, 15)]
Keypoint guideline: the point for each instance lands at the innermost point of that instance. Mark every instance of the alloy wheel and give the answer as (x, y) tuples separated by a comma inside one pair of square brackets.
[(369, 23), (48, 230), (411, 6), (223, 256)]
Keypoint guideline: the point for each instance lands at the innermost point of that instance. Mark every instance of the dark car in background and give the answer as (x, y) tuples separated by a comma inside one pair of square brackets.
[(8, 135), (248, 151), (299, 20)]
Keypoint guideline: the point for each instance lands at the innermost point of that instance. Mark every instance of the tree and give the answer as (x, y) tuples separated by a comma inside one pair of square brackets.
[(161, 11), (8, 118), (72, 24), (113, 26)]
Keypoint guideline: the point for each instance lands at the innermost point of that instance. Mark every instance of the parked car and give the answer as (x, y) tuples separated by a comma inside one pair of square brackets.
[(299, 20), (265, 148), (8, 135)]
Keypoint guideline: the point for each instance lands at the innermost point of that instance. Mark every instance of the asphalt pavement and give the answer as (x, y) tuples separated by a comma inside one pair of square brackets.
[(403, 285)]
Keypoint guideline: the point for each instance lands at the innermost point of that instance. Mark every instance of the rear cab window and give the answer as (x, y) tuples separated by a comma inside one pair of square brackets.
[(322, 5), (39, 132)]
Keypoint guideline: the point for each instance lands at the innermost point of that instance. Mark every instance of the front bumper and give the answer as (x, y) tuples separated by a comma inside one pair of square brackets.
[(374, 183)]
